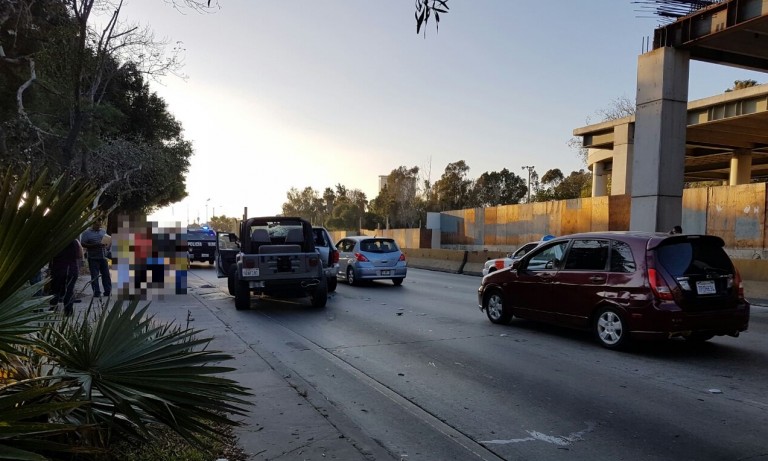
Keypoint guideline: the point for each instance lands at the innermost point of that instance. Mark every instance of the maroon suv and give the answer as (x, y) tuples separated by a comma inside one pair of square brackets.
[(623, 285)]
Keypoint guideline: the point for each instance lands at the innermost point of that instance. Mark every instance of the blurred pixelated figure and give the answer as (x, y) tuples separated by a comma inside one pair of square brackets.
[(96, 242), (151, 259)]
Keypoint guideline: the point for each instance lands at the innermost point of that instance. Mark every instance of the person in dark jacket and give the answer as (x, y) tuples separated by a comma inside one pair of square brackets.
[(64, 269)]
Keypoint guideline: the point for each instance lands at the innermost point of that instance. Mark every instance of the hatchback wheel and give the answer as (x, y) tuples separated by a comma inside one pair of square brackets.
[(610, 329), (495, 309), (351, 276), (397, 281)]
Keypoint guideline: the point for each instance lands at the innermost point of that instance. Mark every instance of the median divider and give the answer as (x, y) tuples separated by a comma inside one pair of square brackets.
[(454, 261)]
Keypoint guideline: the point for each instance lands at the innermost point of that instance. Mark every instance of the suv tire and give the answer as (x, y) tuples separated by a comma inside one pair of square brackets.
[(320, 294), (242, 295)]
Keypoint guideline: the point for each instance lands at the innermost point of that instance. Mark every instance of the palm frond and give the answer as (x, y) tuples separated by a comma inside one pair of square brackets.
[(37, 221), (137, 371)]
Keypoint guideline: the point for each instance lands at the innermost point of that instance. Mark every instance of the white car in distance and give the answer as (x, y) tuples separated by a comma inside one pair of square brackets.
[(492, 265)]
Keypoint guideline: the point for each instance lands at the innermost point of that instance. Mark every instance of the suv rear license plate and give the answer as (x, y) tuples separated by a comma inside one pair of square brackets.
[(706, 287), (251, 272), (384, 272), (204, 255)]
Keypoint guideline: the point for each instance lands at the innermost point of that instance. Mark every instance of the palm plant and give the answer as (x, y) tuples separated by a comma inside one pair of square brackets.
[(69, 388)]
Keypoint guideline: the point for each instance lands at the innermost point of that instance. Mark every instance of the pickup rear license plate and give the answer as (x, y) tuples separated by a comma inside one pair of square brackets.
[(384, 272), (251, 272), (706, 287)]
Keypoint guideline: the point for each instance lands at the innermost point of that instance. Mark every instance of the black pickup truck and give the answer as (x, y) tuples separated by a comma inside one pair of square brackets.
[(272, 256)]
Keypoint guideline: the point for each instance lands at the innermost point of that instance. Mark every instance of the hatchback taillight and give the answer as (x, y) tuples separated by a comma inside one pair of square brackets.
[(361, 258), (402, 257), (659, 286), (738, 282)]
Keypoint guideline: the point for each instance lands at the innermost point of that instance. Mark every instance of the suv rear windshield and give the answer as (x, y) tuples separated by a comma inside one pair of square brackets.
[(199, 234), (694, 257), (379, 246)]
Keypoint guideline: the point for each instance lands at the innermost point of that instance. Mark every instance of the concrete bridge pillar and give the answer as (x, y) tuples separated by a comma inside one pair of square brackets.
[(741, 167), (658, 165)]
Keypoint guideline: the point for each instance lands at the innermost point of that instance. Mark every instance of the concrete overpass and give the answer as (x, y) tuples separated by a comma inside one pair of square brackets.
[(653, 152), (726, 139)]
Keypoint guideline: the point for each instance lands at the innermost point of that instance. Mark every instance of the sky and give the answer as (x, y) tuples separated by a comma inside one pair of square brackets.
[(315, 93)]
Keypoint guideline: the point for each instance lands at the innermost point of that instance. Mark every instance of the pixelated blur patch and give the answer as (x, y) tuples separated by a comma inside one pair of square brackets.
[(151, 258)]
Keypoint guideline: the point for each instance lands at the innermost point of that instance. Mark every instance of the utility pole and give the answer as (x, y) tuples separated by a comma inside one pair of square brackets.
[(530, 169)]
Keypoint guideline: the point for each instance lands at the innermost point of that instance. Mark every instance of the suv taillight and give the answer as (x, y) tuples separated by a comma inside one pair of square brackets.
[(659, 286), (334, 256), (402, 257), (361, 258)]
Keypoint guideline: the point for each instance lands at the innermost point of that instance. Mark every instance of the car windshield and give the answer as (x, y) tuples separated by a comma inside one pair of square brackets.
[(199, 234), (378, 246), (693, 257)]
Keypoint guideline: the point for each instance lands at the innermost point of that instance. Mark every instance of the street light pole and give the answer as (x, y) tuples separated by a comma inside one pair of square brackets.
[(530, 169), (206, 210)]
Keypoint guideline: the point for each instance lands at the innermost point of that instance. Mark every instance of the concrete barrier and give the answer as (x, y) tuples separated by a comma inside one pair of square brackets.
[(471, 262), (433, 259)]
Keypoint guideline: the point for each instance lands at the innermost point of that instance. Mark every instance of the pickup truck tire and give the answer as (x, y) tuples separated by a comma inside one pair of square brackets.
[(320, 295), (242, 295), (351, 276), (332, 283)]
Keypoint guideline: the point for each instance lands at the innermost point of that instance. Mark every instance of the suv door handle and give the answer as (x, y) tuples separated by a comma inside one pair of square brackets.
[(597, 279)]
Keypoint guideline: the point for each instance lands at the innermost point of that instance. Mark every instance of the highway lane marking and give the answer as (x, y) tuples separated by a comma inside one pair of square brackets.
[(559, 440)]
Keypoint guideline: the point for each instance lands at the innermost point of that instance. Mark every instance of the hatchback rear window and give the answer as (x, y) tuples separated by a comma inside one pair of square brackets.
[(379, 246), (694, 257)]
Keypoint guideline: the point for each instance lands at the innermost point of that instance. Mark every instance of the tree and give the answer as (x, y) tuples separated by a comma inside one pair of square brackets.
[(224, 223), (451, 190), (741, 84), (398, 201), (307, 204), (555, 186), (72, 89), (498, 188), (427, 8), (618, 108)]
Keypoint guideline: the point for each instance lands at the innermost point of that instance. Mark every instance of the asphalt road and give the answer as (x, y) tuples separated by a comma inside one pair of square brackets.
[(421, 370)]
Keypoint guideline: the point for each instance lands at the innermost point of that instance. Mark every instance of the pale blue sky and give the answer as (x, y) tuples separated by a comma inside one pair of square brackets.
[(319, 92)]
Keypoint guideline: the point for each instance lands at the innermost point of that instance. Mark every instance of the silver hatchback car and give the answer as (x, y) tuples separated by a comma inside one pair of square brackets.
[(370, 258)]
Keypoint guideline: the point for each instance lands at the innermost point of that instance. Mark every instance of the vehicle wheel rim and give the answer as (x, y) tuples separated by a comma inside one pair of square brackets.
[(350, 276), (609, 328), (495, 307)]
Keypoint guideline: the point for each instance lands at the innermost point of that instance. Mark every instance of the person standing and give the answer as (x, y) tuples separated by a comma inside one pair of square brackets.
[(64, 271), (93, 241)]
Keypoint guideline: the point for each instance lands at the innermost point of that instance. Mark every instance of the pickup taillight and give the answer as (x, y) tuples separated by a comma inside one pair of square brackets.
[(334, 257)]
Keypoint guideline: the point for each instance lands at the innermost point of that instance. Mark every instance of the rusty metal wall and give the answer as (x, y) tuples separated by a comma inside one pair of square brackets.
[(735, 213)]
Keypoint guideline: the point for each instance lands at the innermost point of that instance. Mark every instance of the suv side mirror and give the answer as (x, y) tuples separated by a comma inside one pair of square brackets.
[(516, 264)]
